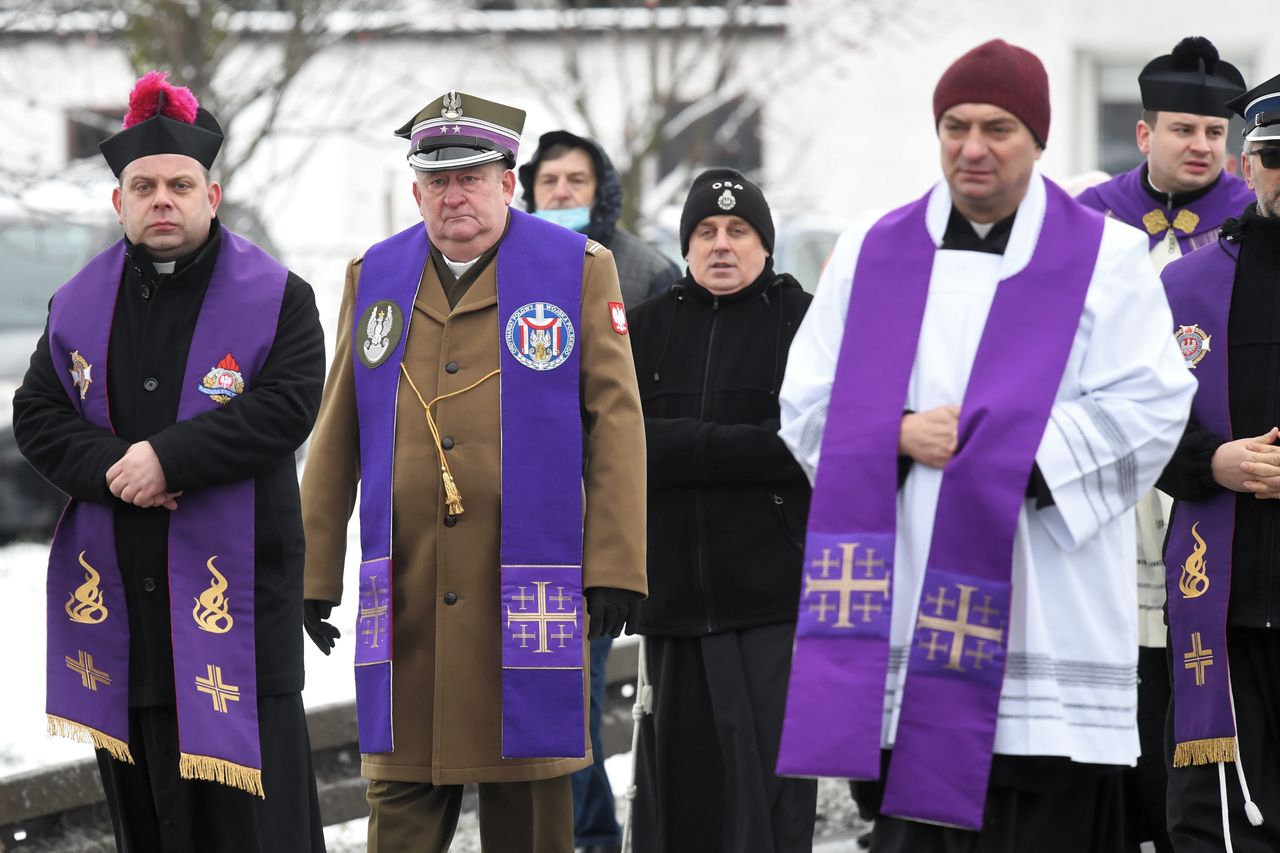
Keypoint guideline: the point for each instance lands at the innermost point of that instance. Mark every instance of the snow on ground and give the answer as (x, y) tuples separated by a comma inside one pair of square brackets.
[(23, 742)]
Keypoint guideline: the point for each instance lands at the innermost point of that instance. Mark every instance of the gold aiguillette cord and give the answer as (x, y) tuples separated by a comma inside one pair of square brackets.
[(451, 494)]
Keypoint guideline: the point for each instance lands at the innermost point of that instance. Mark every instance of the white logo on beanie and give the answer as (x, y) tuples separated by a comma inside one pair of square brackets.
[(726, 200)]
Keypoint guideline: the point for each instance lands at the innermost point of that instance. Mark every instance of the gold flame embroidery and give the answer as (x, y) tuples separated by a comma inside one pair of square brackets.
[(1194, 581), (213, 609), (85, 604)]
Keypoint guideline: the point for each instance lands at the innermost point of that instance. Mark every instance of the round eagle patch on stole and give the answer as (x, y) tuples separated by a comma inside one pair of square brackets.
[(378, 332), (1193, 341), (540, 336)]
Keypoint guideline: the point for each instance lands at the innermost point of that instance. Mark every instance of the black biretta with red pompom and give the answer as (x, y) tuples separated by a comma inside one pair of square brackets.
[(1192, 78), (163, 119)]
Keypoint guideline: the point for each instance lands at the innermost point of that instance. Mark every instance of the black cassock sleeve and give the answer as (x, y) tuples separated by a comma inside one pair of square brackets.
[(1189, 474), (65, 449)]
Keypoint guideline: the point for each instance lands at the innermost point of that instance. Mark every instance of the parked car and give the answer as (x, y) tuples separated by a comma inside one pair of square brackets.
[(47, 234)]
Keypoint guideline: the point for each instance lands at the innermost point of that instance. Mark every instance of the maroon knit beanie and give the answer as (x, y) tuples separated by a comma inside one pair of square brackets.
[(1001, 74)]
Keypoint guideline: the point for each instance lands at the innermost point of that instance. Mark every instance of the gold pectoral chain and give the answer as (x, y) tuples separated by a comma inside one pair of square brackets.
[(451, 494)]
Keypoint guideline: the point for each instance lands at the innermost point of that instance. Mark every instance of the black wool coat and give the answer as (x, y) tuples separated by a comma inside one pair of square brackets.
[(1253, 359), (727, 502), (253, 436)]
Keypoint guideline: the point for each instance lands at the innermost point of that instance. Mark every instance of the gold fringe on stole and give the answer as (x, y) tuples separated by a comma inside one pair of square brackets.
[(211, 769), (1214, 750), (79, 732)]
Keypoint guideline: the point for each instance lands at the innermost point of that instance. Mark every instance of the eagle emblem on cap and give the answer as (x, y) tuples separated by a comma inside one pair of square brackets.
[(452, 108)]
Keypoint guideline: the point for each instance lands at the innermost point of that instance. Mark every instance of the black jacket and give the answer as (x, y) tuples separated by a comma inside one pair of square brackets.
[(1253, 381), (255, 435), (643, 271), (727, 502)]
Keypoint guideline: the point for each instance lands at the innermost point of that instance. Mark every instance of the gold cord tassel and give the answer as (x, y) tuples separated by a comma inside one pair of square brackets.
[(71, 730), (1213, 750), (452, 497)]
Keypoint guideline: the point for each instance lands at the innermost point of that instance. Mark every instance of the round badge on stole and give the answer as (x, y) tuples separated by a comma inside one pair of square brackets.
[(378, 332), (540, 336), (1193, 341)]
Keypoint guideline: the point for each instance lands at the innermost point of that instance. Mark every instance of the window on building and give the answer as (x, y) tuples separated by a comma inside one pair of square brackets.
[(87, 127), (727, 136), (1118, 108)]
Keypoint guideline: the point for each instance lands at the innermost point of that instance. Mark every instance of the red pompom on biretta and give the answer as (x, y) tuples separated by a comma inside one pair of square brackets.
[(145, 101), (163, 119)]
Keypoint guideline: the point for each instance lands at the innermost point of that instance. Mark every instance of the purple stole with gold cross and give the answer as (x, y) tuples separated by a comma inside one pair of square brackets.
[(835, 702), (541, 613), (1198, 551), (211, 534)]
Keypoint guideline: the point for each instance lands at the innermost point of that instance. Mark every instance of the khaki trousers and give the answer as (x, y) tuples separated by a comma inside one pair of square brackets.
[(515, 817)]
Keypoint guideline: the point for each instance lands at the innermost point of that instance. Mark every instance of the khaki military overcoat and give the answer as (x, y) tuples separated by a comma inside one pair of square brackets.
[(447, 675)]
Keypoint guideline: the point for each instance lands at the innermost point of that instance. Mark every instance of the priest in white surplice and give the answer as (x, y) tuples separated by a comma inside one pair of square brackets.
[(1066, 706)]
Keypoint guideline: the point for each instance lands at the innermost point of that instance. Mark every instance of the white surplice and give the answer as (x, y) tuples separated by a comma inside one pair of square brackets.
[(1070, 682)]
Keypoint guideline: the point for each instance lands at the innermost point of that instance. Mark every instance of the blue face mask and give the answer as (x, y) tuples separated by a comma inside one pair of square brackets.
[(573, 218)]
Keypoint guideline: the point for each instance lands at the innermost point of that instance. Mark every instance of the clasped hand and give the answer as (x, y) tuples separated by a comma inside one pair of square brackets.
[(930, 437), (1249, 465), (137, 478)]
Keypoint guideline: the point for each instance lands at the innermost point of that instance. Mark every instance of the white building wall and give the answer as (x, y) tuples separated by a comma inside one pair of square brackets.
[(847, 127)]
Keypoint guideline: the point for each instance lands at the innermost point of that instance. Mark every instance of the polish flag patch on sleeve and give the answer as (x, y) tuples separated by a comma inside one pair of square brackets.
[(618, 316)]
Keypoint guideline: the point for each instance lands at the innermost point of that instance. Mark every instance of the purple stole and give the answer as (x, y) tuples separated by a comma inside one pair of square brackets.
[(1198, 551), (539, 269), (835, 702), (211, 534), (1124, 198)]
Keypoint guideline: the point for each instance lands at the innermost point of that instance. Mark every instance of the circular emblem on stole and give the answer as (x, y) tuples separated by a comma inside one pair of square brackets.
[(378, 332), (1194, 343), (540, 336)]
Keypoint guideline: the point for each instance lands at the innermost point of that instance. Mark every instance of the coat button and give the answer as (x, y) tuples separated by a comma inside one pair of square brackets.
[(146, 292), (451, 367), (150, 383), (450, 598), (446, 443), (149, 584), (450, 520)]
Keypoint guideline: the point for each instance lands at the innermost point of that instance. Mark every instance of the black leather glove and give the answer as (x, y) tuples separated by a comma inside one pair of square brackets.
[(611, 610), (314, 612)]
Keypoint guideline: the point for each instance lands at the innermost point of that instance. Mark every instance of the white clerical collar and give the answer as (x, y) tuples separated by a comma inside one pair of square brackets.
[(981, 228), (459, 268), (164, 267), (1026, 227)]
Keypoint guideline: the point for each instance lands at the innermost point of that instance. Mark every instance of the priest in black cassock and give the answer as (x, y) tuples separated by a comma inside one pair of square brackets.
[(177, 374), (1179, 195), (1223, 550)]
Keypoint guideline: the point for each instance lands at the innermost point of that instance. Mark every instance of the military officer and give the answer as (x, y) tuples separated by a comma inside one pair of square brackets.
[(489, 533)]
